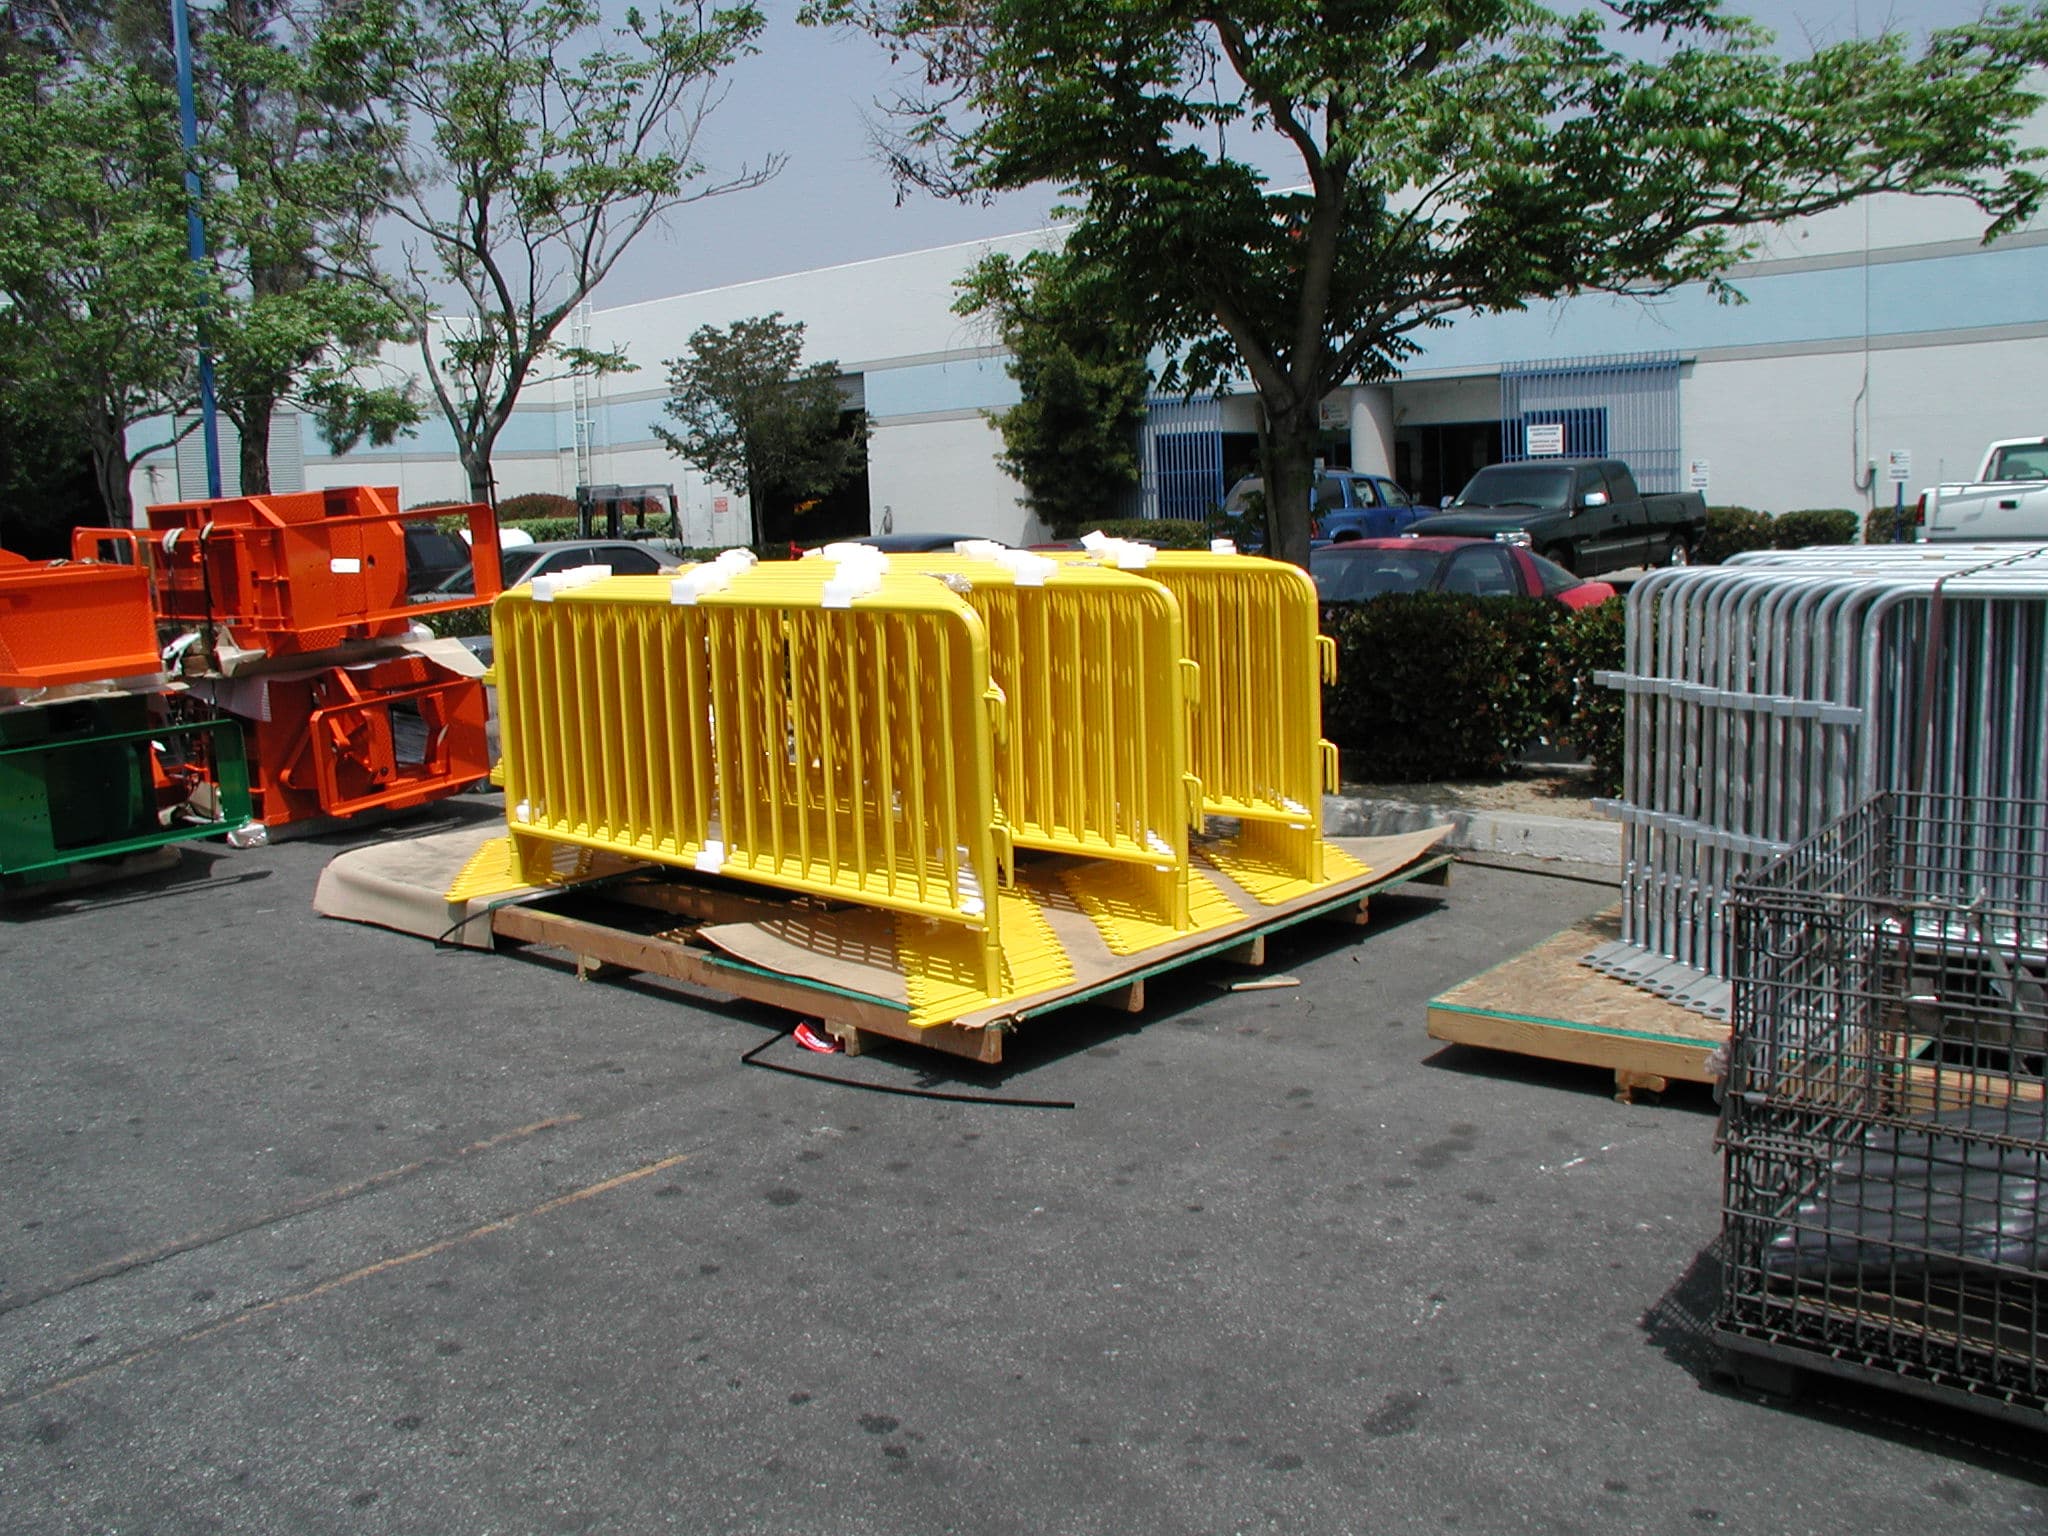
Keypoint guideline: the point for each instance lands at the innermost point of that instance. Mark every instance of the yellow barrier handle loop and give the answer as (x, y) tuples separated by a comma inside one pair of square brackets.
[(1191, 682), (998, 713), (1332, 780), (1196, 819), (1328, 649), (1006, 852)]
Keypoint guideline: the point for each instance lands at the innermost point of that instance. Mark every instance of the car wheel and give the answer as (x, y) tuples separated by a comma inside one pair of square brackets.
[(1562, 554), (1677, 552)]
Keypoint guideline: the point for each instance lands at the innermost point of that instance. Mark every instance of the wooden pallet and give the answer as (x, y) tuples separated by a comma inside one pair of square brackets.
[(663, 948), (1544, 1003)]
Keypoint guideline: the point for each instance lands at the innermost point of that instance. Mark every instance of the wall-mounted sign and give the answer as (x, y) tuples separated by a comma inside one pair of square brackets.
[(1546, 438), (720, 505)]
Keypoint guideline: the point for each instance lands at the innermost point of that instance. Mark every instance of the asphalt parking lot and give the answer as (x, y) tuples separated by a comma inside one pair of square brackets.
[(306, 1226)]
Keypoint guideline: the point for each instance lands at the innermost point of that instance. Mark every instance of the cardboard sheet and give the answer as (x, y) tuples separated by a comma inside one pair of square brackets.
[(399, 885)]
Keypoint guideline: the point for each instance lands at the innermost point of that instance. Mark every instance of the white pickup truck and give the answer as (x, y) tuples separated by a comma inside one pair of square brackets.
[(2007, 500)]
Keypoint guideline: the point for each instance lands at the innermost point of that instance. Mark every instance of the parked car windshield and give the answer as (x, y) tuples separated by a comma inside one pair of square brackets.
[(1359, 575), (1533, 485)]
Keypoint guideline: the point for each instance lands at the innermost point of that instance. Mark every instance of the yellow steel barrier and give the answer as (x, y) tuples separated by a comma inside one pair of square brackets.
[(767, 728), (1251, 626), (1098, 688)]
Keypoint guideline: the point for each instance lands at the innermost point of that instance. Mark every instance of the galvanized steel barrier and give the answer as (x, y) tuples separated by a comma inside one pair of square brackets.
[(1770, 695)]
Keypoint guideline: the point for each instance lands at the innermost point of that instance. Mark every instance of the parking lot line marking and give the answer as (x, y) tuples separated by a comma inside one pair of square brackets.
[(143, 1257), (338, 1282)]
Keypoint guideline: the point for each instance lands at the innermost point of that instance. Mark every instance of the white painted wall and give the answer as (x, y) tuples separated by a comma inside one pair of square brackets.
[(1782, 433), (941, 476)]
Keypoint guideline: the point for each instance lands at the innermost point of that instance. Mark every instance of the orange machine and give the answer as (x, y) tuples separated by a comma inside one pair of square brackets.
[(65, 621), (340, 740), (295, 574), (300, 619)]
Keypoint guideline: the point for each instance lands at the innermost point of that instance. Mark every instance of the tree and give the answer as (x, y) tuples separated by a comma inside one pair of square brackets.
[(286, 179), (1079, 362), (755, 418), (96, 294), (520, 172), (1453, 156), (292, 175)]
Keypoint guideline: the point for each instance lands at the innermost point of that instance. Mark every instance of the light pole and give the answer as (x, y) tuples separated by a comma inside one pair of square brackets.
[(195, 238)]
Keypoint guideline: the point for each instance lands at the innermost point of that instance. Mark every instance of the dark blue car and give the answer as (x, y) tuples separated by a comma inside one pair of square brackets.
[(1349, 504)]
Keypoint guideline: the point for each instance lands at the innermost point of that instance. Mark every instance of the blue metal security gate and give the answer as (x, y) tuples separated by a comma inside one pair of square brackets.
[(1180, 458), (1623, 407)]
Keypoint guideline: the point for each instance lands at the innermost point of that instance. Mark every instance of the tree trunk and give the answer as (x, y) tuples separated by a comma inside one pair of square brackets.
[(476, 463), (253, 425), (1290, 484), (108, 437)]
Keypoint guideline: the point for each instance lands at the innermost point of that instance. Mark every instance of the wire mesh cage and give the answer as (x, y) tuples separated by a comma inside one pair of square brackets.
[(1884, 1132)]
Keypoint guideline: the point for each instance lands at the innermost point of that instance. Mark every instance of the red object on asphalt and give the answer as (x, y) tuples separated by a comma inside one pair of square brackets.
[(811, 1040)]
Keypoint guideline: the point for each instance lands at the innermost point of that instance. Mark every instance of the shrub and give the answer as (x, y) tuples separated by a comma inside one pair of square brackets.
[(544, 529), (1802, 530), (1161, 532), (460, 622), (1434, 685), (533, 506), (1731, 530), (1881, 524), (1586, 717)]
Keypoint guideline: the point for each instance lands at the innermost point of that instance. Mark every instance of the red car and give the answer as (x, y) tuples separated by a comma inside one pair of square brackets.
[(1362, 569)]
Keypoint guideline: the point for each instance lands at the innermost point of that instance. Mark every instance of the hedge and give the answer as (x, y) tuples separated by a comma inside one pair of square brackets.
[(1881, 525), (1436, 686), (1160, 532), (1730, 531), (537, 506), (1803, 530)]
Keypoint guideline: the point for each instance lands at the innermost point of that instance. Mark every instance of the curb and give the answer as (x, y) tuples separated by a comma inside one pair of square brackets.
[(1590, 848)]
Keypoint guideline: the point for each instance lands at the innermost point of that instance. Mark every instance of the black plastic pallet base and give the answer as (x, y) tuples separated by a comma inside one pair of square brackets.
[(1779, 1371)]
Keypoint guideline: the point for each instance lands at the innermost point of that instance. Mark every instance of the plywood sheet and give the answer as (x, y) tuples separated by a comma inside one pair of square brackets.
[(1545, 1003)]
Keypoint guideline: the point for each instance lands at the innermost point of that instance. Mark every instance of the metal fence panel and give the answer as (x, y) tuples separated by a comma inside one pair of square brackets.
[(1771, 695)]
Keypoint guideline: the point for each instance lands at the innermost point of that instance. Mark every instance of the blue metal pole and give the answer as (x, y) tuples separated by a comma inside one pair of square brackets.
[(195, 238)]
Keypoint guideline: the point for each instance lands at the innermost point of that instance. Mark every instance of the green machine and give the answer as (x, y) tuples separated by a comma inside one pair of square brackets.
[(103, 777)]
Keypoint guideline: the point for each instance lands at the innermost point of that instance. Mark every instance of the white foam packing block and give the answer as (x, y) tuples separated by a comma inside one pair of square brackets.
[(547, 588)]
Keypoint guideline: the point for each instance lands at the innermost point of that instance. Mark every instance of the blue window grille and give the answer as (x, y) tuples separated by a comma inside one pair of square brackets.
[(1181, 458)]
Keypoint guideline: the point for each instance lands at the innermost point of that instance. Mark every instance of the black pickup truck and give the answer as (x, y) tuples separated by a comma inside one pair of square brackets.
[(1586, 514)]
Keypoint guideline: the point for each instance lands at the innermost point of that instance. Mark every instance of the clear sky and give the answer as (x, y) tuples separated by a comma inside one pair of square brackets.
[(810, 94)]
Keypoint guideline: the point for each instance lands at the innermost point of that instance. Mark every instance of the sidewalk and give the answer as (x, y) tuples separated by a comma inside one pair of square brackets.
[(1545, 817)]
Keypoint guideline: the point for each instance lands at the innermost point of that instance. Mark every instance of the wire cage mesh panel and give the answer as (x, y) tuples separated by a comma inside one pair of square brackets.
[(1885, 1130)]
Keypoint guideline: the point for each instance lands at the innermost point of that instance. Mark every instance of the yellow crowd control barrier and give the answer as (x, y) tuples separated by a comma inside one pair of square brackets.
[(784, 731), (1098, 691), (1251, 626)]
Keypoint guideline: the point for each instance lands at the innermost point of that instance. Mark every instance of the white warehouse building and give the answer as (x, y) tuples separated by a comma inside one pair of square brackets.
[(1886, 328)]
